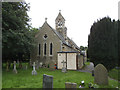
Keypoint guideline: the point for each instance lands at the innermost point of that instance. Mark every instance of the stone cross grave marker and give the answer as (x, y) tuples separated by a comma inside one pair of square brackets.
[(34, 71), (64, 68), (15, 70), (47, 81), (100, 75), (69, 85)]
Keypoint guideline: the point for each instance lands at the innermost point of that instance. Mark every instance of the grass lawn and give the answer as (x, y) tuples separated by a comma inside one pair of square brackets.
[(114, 74), (87, 63), (24, 79)]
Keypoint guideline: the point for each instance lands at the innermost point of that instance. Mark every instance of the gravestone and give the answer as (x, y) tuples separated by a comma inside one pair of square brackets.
[(40, 65), (100, 75), (37, 65), (15, 70), (7, 66), (18, 62), (92, 72), (47, 81), (70, 85), (34, 71), (25, 67), (64, 68), (30, 63), (52, 66)]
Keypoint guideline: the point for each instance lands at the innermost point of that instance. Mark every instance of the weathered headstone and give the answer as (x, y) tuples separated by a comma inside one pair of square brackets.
[(64, 68), (30, 63), (100, 75), (40, 65), (44, 65), (15, 70), (70, 85), (92, 72), (7, 66), (47, 81), (52, 66), (25, 67), (18, 62), (37, 65), (34, 71)]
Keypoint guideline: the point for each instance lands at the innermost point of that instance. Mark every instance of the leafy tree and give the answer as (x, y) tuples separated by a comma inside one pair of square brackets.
[(82, 48), (17, 34), (103, 43), (118, 42)]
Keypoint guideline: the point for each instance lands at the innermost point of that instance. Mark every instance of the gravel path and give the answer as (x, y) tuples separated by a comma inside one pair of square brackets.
[(87, 68)]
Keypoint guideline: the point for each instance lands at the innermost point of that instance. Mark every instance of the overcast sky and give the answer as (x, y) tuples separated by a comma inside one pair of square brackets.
[(79, 15)]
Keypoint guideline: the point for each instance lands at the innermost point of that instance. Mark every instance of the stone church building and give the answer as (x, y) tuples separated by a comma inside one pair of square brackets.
[(51, 41)]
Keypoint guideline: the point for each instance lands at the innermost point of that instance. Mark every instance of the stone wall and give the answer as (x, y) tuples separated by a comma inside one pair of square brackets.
[(51, 38), (80, 61)]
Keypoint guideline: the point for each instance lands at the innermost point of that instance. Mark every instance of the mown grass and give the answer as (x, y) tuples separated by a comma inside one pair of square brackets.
[(114, 74), (87, 63), (24, 78)]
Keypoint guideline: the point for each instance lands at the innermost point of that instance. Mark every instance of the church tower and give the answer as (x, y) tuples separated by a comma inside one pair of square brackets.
[(60, 25)]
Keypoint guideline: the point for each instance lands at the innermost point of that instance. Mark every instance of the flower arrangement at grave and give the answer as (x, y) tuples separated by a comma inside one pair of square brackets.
[(82, 84), (91, 85)]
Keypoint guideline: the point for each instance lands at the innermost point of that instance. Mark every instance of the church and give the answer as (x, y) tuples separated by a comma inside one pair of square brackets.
[(52, 43)]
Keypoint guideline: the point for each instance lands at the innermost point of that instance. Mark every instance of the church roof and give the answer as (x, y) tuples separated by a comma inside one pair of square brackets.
[(73, 43), (70, 42), (60, 16), (57, 33)]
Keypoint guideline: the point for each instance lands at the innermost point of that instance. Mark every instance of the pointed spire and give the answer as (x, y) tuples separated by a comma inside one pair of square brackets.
[(59, 15)]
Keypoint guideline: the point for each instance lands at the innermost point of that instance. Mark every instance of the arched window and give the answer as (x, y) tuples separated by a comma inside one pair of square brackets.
[(45, 49), (39, 49), (51, 47)]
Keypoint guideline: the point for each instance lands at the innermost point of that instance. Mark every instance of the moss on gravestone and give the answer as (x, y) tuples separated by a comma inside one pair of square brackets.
[(100, 75)]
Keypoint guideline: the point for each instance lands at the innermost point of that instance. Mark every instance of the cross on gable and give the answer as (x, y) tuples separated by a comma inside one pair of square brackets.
[(63, 62)]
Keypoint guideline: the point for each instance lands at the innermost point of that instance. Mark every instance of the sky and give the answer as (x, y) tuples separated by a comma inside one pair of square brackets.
[(79, 15)]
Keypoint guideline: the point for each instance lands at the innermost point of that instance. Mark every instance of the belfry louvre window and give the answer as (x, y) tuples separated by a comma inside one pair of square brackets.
[(45, 49), (51, 47), (39, 49)]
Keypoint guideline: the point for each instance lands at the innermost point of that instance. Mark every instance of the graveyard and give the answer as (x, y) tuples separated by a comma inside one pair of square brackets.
[(24, 78), (46, 57)]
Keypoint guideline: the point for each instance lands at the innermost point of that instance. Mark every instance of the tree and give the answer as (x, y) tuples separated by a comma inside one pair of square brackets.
[(118, 42), (17, 36), (103, 43), (82, 48)]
